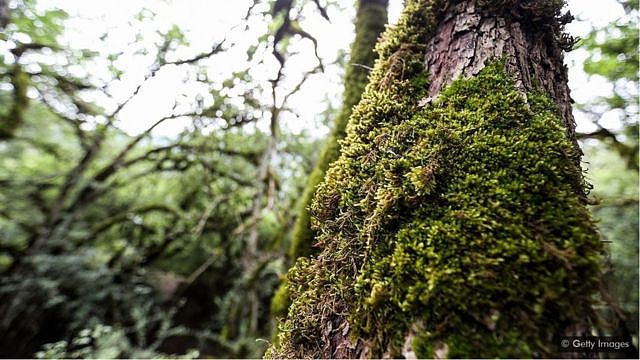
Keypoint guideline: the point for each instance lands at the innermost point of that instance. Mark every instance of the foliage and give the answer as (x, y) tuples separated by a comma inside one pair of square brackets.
[(616, 213), (612, 155), (29, 32), (101, 342)]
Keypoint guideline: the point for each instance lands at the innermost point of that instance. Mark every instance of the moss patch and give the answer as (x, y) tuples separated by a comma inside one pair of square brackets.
[(280, 301), (464, 217)]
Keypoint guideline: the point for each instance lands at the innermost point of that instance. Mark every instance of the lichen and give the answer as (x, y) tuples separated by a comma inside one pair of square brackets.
[(464, 214)]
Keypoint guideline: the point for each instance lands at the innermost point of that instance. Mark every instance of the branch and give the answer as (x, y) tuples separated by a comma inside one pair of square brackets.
[(368, 68), (214, 50), (92, 193), (136, 91), (87, 192), (105, 225), (306, 76), (75, 123), (201, 148), (601, 134), (627, 152), (197, 231), (322, 9), (616, 202), (290, 27), (118, 161), (251, 7), (22, 48), (46, 147)]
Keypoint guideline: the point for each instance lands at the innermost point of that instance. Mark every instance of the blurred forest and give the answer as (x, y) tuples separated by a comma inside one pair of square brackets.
[(611, 159), (121, 244)]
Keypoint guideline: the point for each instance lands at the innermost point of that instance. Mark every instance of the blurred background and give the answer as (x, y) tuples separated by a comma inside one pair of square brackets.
[(153, 152)]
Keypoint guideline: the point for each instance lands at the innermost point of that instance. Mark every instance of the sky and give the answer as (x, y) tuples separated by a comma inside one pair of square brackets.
[(206, 22)]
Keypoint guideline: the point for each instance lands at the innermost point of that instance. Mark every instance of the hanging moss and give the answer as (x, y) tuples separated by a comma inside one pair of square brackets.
[(460, 224)]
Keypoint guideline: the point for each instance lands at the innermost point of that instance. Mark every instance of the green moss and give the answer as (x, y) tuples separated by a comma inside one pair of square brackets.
[(371, 19), (423, 347), (466, 216)]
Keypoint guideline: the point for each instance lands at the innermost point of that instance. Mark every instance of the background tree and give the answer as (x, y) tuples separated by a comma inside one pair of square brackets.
[(457, 208), (616, 212)]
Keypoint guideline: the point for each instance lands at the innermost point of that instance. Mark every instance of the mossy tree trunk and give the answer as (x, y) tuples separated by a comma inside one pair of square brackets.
[(12, 120), (476, 31), (454, 223)]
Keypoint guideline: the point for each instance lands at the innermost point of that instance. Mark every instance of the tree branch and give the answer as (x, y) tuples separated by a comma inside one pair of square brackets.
[(214, 50)]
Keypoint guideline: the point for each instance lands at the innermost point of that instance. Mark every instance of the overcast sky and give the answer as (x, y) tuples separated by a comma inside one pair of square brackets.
[(209, 21)]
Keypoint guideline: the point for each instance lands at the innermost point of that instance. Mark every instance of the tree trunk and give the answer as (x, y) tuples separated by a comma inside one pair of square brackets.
[(454, 223), (470, 34)]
